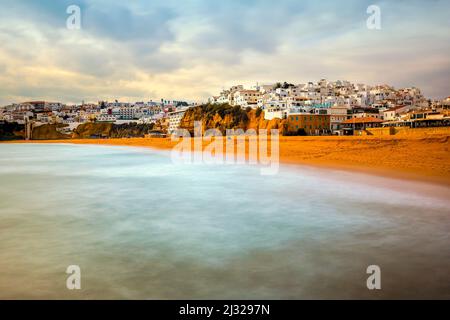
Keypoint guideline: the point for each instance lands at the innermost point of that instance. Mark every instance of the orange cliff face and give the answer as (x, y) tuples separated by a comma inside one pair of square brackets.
[(229, 117), (258, 122)]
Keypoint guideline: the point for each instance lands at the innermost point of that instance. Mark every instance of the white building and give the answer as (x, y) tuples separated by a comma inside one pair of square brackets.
[(393, 114), (246, 98), (126, 113), (175, 119), (223, 99), (106, 118), (275, 112)]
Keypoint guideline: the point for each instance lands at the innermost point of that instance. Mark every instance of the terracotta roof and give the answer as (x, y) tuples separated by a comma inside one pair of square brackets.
[(362, 120)]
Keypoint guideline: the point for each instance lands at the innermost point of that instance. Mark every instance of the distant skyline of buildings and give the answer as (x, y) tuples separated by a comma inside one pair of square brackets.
[(313, 108)]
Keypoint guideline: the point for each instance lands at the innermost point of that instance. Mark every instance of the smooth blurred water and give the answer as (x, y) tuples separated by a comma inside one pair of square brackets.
[(141, 227)]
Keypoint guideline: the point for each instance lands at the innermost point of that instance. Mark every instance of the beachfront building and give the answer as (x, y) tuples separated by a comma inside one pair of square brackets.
[(427, 118), (356, 126), (367, 113), (338, 114), (308, 123), (175, 119)]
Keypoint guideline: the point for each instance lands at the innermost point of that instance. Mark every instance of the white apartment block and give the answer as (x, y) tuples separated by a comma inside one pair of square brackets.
[(175, 120), (123, 113)]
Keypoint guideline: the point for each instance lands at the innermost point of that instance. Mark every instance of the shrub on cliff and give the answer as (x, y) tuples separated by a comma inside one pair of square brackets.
[(208, 111), (131, 130)]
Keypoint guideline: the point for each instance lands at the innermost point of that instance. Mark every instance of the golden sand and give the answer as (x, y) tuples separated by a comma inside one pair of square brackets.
[(419, 157)]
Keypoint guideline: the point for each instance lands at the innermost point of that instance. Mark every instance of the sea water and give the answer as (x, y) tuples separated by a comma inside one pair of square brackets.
[(141, 227)]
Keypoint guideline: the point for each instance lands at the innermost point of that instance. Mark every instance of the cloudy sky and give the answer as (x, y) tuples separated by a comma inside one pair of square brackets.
[(190, 49)]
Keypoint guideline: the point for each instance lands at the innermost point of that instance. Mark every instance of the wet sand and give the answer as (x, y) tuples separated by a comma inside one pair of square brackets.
[(418, 157)]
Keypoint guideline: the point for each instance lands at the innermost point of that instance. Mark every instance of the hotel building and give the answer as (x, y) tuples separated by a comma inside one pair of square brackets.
[(310, 124), (175, 119)]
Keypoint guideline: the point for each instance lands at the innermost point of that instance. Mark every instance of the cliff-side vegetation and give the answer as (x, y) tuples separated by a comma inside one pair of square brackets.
[(109, 130), (12, 131), (131, 130)]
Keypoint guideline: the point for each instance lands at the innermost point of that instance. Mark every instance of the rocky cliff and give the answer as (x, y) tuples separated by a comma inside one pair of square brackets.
[(131, 130), (225, 117), (92, 130), (109, 130), (48, 132)]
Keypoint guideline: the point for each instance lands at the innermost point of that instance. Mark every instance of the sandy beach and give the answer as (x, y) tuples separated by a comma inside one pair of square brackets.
[(418, 157)]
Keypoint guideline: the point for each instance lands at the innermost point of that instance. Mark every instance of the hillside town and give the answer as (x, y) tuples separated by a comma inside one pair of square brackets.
[(322, 108), (339, 108)]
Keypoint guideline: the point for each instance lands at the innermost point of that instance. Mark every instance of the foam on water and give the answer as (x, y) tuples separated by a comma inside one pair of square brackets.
[(142, 227)]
